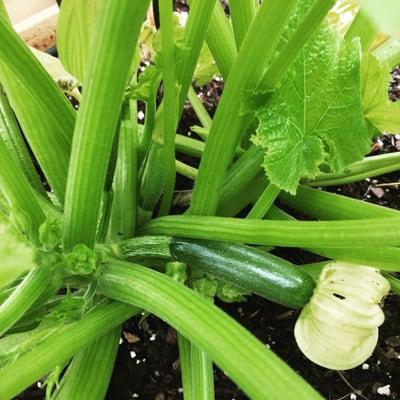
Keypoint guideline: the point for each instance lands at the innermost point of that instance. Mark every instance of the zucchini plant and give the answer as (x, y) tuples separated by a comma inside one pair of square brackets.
[(91, 235)]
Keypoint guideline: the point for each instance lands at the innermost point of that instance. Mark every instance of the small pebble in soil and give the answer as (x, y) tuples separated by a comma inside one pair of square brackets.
[(384, 390)]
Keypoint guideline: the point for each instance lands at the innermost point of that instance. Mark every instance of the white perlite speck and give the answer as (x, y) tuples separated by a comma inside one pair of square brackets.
[(365, 366), (153, 336), (132, 354), (384, 390)]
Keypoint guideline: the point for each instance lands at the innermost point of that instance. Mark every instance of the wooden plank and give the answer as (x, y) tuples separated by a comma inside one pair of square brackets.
[(35, 21)]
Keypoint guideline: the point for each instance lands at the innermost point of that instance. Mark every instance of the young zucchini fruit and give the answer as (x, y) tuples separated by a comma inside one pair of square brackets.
[(245, 267), (338, 328)]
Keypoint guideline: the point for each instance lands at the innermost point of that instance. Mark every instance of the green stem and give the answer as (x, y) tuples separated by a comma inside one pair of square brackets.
[(243, 198), (228, 123), (221, 41), (242, 172), (242, 14), (369, 167), (23, 297), (329, 234), (189, 146), (246, 170), (46, 116), (199, 109), (60, 347), (14, 345), (108, 69), (196, 371), (264, 202), (170, 106), (394, 283), (384, 258), (12, 135), (195, 33), (21, 196), (89, 373), (325, 205), (257, 371), (149, 124), (123, 217), (186, 170)]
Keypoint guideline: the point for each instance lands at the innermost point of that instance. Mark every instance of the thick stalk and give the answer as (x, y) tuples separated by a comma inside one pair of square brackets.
[(245, 360), (199, 109), (246, 170), (23, 297), (109, 64), (228, 123), (186, 170), (195, 33), (61, 346), (329, 234), (325, 205), (19, 193), (264, 202), (196, 371), (384, 258), (89, 373), (369, 167), (221, 41), (242, 14), (168, 61), (12, 135), (123, 216)]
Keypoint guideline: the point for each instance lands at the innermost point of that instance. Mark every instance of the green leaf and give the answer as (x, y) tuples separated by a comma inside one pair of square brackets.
[(146, 87), (75, 31), (378, 108), (314, 119), (206, 67)]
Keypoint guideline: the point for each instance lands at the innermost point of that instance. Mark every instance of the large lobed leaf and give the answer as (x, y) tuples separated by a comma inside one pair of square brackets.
[(315, 117)]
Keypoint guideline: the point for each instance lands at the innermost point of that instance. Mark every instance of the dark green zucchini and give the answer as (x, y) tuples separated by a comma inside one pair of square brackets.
[(250, 269), (246, 267)]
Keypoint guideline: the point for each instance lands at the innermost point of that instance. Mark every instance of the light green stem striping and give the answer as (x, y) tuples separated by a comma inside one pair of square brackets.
[(89, 373), (330, 234), (259, 373), (109, 64)]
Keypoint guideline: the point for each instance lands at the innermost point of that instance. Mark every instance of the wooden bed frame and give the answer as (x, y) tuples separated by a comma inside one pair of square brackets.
[(35, 21)]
